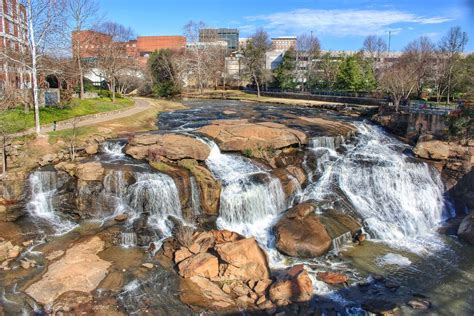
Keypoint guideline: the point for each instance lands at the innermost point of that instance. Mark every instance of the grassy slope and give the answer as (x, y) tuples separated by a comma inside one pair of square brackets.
[(16, 120)]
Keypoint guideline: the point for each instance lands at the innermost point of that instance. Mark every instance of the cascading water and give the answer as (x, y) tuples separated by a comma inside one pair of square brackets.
[(251, 198), (157, 195), (396, 196), (44, 188), (195, 197), (113, 148)]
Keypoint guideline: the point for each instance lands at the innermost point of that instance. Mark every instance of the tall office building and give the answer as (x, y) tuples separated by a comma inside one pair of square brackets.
[(231, 36)]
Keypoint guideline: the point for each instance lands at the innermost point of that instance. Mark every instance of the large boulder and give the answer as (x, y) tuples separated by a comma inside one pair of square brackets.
[(466, 229), (199, 291), (202, 264), (169, 146), (245, 259), (294, 285), (79, 270), (301, 234), (90, 171), (240, 135), (437, 150)]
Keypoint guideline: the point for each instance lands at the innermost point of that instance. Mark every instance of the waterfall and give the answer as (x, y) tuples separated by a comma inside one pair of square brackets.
[(157, 195), (44, 187), (128, 239), (330, 142), (251, 198), (339, 242), (113, 148), (395, 195), (195, 197)]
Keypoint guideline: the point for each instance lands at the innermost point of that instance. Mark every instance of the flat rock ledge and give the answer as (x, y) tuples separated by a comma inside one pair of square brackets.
[(170, 146), (79, 270), (241, 135)]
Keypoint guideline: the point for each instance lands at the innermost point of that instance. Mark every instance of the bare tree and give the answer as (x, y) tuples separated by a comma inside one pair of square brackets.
[(199, 54), (399, 81), (112, 59), (308, 49), (374, 46), (81, 14), (420, 54), (255, 57), (43, 19), (451, 45)]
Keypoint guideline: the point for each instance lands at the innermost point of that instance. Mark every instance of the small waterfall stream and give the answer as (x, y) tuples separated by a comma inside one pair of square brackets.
[(44, 187), (251, 199)]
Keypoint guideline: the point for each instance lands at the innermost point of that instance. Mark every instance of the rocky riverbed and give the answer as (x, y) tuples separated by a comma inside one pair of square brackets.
[(233, 207)]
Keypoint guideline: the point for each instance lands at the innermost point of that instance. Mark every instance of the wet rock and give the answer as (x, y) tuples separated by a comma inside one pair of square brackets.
[(121, 218), (247, 261), (300, 233), (333, 277), (209, 188), (90, 171), (240, 135), (294, 286), (380, 307), (203, 265), (392, 285), (92, 149), (419, 303), (79, 270), (148, 265), (27, 243), (170, 146), (8, 250), (466, 229)]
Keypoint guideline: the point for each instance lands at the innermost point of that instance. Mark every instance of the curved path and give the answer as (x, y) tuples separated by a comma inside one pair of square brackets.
[(141, 104)]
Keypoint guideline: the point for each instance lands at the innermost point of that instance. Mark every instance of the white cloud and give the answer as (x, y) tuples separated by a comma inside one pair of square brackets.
[(342, 22)]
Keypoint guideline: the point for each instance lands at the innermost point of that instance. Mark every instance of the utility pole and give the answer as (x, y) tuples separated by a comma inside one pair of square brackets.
[(389, 40)]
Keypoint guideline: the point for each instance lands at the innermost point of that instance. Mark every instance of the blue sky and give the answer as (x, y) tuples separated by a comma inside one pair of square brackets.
[(338, 24)]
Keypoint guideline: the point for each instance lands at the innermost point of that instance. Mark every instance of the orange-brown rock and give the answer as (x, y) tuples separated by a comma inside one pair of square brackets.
[(170, 146), (240, 135), (199, 291), (247, 261), (300, 233), (90, 171), (223, 236), (294, 286), (182, 254), (203, 265), (80, 269), (333, 277)]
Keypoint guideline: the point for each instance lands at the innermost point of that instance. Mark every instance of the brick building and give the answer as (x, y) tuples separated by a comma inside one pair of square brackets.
[(283, 43), (139, 49), (13, 43)]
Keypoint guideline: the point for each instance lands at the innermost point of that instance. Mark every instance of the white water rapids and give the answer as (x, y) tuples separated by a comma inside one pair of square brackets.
[(251, 199), (396, 196)]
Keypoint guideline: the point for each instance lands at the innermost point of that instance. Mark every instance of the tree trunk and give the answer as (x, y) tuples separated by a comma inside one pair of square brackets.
[(4, 156), (113, 89), (81, 78), (258, 86), (34, 69), (396, 102)]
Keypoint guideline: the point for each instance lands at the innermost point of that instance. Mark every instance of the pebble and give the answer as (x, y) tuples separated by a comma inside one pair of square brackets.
[(148, 265), (419, 303)]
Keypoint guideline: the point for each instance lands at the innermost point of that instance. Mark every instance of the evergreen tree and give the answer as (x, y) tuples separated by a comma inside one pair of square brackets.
[(163, 74), (285, 72)]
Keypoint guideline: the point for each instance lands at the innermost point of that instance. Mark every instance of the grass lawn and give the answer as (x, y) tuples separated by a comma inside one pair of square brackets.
[(16, 120)]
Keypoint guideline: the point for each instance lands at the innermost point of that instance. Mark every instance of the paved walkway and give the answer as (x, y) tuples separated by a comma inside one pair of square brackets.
[(141, 104)]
